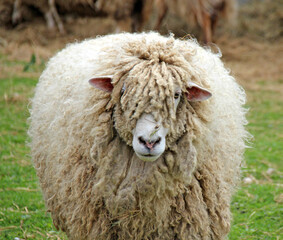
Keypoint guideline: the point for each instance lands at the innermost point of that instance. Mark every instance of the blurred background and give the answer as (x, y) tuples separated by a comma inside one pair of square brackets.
[(247, 32)]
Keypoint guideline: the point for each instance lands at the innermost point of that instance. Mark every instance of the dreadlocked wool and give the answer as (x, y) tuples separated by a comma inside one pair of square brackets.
[(93, 183)]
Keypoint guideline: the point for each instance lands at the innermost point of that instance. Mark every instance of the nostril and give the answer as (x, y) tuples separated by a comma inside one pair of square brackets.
[(158, 140), (141, 140)]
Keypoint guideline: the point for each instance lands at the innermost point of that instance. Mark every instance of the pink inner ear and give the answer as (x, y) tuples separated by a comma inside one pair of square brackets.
[(196, 94), (102, 83)]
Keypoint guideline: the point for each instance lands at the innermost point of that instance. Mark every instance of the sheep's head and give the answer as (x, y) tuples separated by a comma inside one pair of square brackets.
[(151, 90), (146, 113)]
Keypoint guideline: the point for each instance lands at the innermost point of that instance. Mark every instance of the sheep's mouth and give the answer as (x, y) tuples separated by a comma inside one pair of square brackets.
[(148, 157)]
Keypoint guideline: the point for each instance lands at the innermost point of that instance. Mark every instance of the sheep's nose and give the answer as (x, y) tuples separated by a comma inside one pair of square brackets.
[(149, 144)]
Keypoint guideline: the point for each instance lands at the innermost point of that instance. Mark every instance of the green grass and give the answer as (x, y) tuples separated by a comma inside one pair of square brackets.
[(257, 207), (22, 212)]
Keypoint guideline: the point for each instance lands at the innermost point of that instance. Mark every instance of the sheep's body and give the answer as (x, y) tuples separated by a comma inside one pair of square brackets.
[(130, 15), (46, 7), (93, 183), (203, 12)]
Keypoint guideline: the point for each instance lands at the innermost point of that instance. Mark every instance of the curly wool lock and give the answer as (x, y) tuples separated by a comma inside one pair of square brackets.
[(93, 183)]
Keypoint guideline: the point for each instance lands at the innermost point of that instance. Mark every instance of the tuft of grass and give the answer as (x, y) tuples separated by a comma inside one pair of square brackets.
[(256, 207), (30, 63)]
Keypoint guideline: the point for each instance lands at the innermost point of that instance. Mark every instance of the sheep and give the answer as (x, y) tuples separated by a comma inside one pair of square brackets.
[(130, 15), (204, 12), (138, 136), (47, 7), (6, 9)]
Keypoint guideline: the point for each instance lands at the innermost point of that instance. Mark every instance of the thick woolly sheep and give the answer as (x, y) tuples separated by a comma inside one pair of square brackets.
[(138, 136)]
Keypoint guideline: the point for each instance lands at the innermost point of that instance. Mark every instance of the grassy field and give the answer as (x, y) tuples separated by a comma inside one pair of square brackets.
[(257, 206)]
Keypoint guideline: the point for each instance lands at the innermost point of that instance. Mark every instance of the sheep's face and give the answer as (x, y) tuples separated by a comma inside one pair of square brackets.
[(149, 135), (146, 121)]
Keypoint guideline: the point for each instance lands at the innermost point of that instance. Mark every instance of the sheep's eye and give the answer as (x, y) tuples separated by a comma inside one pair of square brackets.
[(177, 95), (123, 90)]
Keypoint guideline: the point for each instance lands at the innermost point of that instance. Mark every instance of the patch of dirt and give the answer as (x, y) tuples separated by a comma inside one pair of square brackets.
[(252, 62), (34, 37)]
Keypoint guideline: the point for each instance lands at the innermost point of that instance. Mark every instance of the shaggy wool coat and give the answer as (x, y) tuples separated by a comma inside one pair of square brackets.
[(93, 183)]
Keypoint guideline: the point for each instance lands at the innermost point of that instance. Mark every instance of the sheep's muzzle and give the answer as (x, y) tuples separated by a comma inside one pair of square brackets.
[(149, 138)]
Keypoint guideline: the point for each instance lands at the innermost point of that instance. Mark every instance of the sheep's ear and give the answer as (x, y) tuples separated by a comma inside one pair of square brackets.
[(195, 93), (102, 83)]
